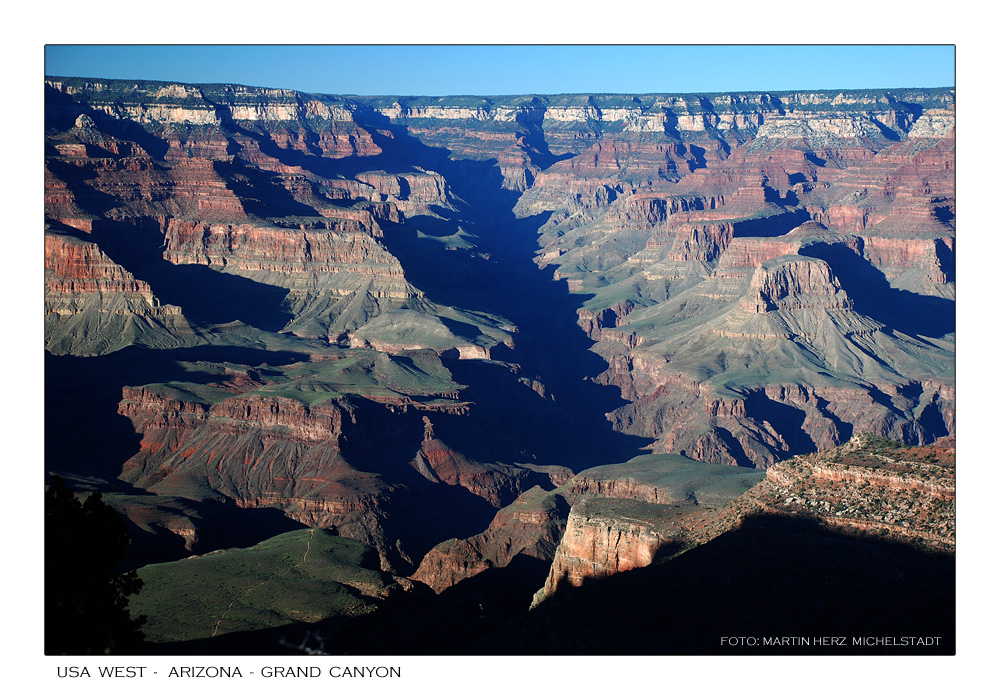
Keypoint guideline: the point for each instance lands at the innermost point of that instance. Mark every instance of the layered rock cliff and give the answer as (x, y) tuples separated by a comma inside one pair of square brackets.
[(325, 445), (95, 306), (174, 184), (871, 485), (627, 516), (530, 527)]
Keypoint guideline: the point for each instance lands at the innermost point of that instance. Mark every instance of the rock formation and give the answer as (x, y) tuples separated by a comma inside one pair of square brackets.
[(627, 516), (871, 485)]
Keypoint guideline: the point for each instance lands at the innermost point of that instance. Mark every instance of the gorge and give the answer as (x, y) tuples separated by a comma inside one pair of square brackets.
[(486, 350)]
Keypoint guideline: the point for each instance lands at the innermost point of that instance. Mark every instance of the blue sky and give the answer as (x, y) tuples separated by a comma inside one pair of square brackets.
[(501, 70)]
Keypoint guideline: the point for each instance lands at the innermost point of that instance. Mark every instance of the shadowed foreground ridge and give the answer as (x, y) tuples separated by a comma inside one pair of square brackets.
[(505, 352), (773, 577), (794, 565)]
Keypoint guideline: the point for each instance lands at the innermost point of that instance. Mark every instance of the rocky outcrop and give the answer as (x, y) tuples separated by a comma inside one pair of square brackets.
[(868, 484), (531, 527), (627, 516), (604, 537), (792, 284), (872, 485), (340, 257), (94, 306)]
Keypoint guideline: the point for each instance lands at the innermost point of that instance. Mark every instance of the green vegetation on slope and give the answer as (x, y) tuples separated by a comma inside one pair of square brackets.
[(682, 478), (359, 372), (299, 576)]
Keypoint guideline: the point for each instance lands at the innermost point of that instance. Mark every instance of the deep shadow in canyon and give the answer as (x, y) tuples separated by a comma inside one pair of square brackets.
[(206, 296), (84, 435), (773, 577), (221, 524), (562, 418), (911, 313)]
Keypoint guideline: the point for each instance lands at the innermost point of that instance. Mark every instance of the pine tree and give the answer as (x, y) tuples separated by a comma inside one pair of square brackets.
[(86, 599)]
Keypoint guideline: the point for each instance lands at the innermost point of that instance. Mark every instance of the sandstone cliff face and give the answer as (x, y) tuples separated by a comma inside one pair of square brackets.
[(532, 527), (598, 543), (629, 515), (335, 260), (78, 268), (94, 306)]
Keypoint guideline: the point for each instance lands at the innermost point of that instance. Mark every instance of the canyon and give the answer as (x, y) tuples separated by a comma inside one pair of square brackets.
[(510, 346)]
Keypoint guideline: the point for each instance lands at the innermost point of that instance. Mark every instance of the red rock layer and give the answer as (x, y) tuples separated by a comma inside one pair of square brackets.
[(347, 246), (867, 486), (525, 528), (260, 451), (77, 268), (893, 491), (596, 546)]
